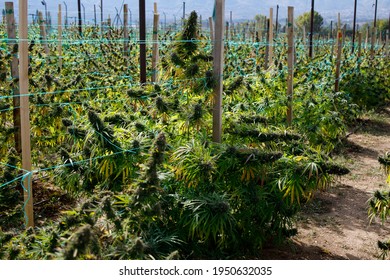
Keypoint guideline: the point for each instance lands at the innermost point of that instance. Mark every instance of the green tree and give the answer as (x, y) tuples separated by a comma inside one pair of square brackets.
[(382, 27), (304, 20)]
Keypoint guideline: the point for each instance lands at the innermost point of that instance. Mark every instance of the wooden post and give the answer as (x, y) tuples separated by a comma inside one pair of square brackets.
[(155, 45), (344, 33), (227, 31), (271, 39), (43, 33), (338, 61), (359, 44), (290, 60), (218, 53), (59, 37), (367, 35), (10, 18), (211, 24), (373, 41), (142, 38), (25, 112), (125, 30), (267, 45)]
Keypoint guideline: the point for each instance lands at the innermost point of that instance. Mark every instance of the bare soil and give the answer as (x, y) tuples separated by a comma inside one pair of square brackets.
[(335, 224)]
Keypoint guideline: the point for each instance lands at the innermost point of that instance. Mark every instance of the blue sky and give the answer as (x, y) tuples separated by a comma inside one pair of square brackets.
[(242, 9)]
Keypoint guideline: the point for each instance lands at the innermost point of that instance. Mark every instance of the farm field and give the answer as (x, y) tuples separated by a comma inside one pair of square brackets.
[(124, 170)]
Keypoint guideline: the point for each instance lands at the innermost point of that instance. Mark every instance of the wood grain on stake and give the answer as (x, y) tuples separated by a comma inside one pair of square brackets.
[(25, 111)]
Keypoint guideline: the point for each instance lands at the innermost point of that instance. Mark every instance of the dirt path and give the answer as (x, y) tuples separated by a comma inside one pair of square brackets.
[(335, 224)]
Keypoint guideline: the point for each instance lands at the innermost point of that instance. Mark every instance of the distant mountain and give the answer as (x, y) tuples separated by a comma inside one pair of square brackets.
[(241, 9)]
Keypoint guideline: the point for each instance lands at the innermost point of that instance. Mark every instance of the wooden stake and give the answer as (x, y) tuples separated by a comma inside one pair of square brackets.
[(359, 44), (25, 111), (373, 41), (338, 60), (344, 33), (43, 33), (218, 53), (155, 55), (59, 37), (10, 18), (290, 60), (267, 45), (211, 29), (227, 31), (271, 39), (125, 30)]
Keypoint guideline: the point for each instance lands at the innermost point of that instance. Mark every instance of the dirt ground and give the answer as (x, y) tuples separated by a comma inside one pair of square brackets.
[(335, 225)]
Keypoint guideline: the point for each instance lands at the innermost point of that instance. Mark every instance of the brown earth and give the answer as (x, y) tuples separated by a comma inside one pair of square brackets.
[(335, 225)]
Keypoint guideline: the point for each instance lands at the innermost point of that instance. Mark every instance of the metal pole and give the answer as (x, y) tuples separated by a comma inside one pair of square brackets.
[(311, 29), (184, 10), (82, 5), (101, 12), (45, 4), (94, 13), (142, 37), (376, 12), (354, 27), (218, 54), (80, 20), (277, 20), (331, 29), (66, 14)]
